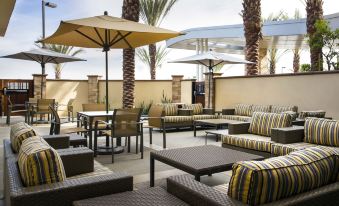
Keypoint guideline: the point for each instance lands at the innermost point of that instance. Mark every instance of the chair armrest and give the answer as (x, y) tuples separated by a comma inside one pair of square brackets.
[(57, 141), (287, 135), (195, 193), (208, 111), (228, 111), (238, 128), (185, 112)]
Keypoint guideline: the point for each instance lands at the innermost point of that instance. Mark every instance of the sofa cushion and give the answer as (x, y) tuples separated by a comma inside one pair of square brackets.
[(248, 141), (260, 182), (318, 114), (280, 109), (19, 132), (322, 132), (177, 119), (39, 163), (170, 109), (205, 116), (262, 123), (261, 108), (293, 114), (284, 149), (236, 118), (196, 108), (243, 109)]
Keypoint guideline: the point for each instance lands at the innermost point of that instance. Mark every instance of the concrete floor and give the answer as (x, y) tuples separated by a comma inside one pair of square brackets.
[(131, 162)]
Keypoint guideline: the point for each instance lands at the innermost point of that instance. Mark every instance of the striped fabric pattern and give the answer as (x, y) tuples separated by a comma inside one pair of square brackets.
[(322, 132), (285, 149), (318, 114), (18, 133), (262, 123), (261, 108), (178, 119), (170, 109), (248, 141), (236, 117), (293, 115), (260, 182), (243, 109), (39, 163), (205, 116), (280, 109), (196, 108)]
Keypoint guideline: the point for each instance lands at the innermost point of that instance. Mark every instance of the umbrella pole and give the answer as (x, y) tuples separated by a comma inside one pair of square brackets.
[(210, 68), (42, 79), (106, 57)]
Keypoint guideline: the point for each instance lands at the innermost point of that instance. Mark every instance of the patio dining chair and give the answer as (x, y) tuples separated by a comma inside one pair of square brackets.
[(42, 108), (125, 123), (156, 121), (15, 109)]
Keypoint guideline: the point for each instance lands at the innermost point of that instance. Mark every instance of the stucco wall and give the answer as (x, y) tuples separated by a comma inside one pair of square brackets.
[(64, 90), (186, 91), (307, 91)]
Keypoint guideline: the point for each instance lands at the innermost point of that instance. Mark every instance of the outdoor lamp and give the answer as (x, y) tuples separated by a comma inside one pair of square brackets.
[(50, 5)]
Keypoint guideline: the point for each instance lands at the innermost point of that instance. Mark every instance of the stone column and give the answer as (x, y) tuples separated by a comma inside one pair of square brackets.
[(176, 88), (207, 76), (93, 88), (37, 78)]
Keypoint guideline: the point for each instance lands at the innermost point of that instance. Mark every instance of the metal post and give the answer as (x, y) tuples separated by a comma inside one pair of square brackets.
[(42, 79), (43, 21), (106, 57), (209, 82)]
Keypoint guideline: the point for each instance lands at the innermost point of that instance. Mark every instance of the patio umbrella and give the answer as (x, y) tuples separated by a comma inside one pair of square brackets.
[(43, 56), (107, 32), (210, 59)]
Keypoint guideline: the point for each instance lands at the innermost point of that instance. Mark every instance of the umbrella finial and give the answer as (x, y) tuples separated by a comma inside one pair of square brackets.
[(105, 13)]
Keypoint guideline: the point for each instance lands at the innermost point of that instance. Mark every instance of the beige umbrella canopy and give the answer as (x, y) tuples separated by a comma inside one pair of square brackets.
[(107, 32)]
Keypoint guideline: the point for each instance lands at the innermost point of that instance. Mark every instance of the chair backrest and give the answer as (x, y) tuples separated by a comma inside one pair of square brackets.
[(44, 104), (125, 122), (70, 104), (155, 114), (55, 123), (93, 107)]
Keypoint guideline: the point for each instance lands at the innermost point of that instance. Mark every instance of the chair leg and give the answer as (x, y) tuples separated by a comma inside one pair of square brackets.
[(112, 150), (128, 144), (150, 135), (107, 141), (142, 143), (164, 138), (136, 144)]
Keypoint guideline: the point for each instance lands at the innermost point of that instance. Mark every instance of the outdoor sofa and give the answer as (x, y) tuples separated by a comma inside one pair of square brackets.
[(83, 177)]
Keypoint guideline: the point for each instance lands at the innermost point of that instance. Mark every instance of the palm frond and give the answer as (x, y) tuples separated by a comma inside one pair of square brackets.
[(153, 12), (160, 56)]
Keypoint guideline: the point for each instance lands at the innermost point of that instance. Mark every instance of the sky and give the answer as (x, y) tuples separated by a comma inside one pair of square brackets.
[(25, 28)]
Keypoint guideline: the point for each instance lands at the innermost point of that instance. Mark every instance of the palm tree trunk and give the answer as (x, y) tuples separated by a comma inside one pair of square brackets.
[(152, 52), (252, 26), (57, 71), (130, 11), (296, 61), (314, 11), (272, 68)]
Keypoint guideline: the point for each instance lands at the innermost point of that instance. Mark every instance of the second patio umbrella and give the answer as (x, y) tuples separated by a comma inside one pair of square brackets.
[(210, 59), (43, 57), (107, 32)]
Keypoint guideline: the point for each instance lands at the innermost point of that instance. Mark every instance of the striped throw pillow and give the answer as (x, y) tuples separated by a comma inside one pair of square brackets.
[(39, 163), (318, 114), (280, 109), (243, 109), (19, 132), (262, 123), (170, 109), (260, 182), (322, 131)]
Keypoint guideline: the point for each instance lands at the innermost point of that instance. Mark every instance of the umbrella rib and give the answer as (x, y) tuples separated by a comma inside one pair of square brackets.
[(218, 64), (31, 57), (52, 59), (111, 42), (93, 40), (96, 31), (202, 63), (122, 37)]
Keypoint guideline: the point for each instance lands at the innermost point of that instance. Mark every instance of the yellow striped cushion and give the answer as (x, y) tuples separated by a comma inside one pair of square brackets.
[(284, 149), (39, 163), (243, 109), (196, 108), (178, 119), (262, 123), (322, 131), (280, 109), (248, 141), (260, 108), (19, 132), (170, 109), (260, 182), (236, 118)]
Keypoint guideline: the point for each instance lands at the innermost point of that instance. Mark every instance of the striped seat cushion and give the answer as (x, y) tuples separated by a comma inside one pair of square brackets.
[(39, 163), (318, 114), (178, 119), (262, 123), (260, 182), (236, 117), (280, 109), (248, 141), (196, 108), (322, 132), (284, 149), (243, 109), (261, 108), (19, 132), (170, 109), (204, 116)]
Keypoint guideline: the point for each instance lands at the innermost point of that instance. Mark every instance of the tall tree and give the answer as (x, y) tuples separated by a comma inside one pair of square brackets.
[(69, 50), (314, 12), (153, 13), (296, 50), (160, 56), (251, 14), (130, 11)]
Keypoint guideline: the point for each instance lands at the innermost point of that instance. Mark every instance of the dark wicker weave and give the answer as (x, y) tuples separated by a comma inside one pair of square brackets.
[(200, 160), (156, 196), (58, 194), (196, 193), (288, 135)]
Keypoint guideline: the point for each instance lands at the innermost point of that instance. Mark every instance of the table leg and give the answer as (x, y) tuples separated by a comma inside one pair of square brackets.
[(194, 129), (142, 142), (151, 171), (197, 178), (206, 139), (90, 135)]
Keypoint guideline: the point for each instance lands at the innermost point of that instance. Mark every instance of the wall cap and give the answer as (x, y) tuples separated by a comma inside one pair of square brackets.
[(39, 75)]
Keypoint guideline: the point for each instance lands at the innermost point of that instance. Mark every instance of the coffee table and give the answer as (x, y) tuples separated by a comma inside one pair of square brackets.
[(199, 160), (216, 123)]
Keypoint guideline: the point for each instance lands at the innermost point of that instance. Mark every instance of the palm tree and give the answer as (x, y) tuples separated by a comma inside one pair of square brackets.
[(251, 15), (153, 13), (130, 11), (69, 50), (160, 56), (297, 50), (273, 58), (314, 12)]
